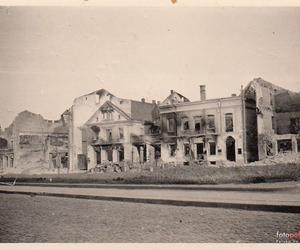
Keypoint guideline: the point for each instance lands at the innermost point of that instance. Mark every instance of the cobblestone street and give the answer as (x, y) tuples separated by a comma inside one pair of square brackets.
[(49, 219)]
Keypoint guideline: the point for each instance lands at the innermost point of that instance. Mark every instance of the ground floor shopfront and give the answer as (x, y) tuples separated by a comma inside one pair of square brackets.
[(212, 148), (126, 152)]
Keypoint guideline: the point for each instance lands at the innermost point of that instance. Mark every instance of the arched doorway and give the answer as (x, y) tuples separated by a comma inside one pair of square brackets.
[(230, 148)]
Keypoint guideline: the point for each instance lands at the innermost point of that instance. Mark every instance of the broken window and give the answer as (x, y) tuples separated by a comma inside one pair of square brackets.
[(284, 145), (211, 123), (96, 131), (212, 148), (172, 148), (109, 134), (121, 133), (171, 125), (185, 124), (157, 151), (229, 122), (197, 121), (186, 149), (295, 125)]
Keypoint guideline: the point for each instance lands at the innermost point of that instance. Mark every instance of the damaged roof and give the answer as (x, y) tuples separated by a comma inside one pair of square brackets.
[(175, 97), (263, 83), (287, 101)]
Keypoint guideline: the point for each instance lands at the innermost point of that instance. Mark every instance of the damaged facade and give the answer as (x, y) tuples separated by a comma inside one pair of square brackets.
[(272, 119), (262, 120), (31, 141), (100, 128), (106, 128), (205, 130)]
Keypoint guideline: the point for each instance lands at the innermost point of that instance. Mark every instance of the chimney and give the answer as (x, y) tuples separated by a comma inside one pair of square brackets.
[(143, 99), (233, 94), (172, 91), (153, 101), (202, 93)]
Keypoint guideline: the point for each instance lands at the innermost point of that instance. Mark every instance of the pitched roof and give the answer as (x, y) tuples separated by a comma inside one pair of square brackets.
[(108, 105), (141, 111)]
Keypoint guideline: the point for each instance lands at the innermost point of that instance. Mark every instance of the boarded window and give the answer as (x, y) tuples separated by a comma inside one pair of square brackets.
[(211, 123), (284, 145), (171, 125), (229, 122), (295, 125), (212, 148), (172, 148), (186, 149)]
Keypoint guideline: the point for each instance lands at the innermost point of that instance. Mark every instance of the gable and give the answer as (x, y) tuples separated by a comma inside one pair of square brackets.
[(175, 98), (108, 112)]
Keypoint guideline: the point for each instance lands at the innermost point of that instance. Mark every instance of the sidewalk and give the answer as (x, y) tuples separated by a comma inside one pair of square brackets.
[(277, 201), (258, 187)]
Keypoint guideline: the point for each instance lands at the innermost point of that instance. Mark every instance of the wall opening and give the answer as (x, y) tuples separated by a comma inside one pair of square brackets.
[(284, 146), (230, 148)]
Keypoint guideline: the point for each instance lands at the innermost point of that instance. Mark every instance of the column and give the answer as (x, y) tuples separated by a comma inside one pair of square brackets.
[(275, 147), (91, 157), (141, 154), (115, 155), (103, 155), (294, 144)]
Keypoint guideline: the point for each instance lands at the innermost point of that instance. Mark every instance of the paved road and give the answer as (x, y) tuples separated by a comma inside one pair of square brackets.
[(52, 219), (278, 198)]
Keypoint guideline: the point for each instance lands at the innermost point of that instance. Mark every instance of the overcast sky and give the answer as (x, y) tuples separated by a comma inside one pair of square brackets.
[(50, 55)]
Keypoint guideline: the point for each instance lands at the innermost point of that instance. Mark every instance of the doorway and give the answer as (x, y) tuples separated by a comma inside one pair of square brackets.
[(230, 148), (200, 151)]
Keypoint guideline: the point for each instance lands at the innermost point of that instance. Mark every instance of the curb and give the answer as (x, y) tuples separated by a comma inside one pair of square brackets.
[(151, 186), (243, 206)]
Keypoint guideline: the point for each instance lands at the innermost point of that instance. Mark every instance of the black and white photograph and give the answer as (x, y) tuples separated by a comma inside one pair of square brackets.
[(164, 121)]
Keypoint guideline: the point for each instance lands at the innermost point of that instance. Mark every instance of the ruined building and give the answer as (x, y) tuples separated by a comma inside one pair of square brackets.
[(33, 142), (261, 121), (106, 128), (208, 129), (272, 120)]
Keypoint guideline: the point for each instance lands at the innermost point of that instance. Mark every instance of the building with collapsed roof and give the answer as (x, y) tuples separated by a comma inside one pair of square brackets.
[(34, 142)]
